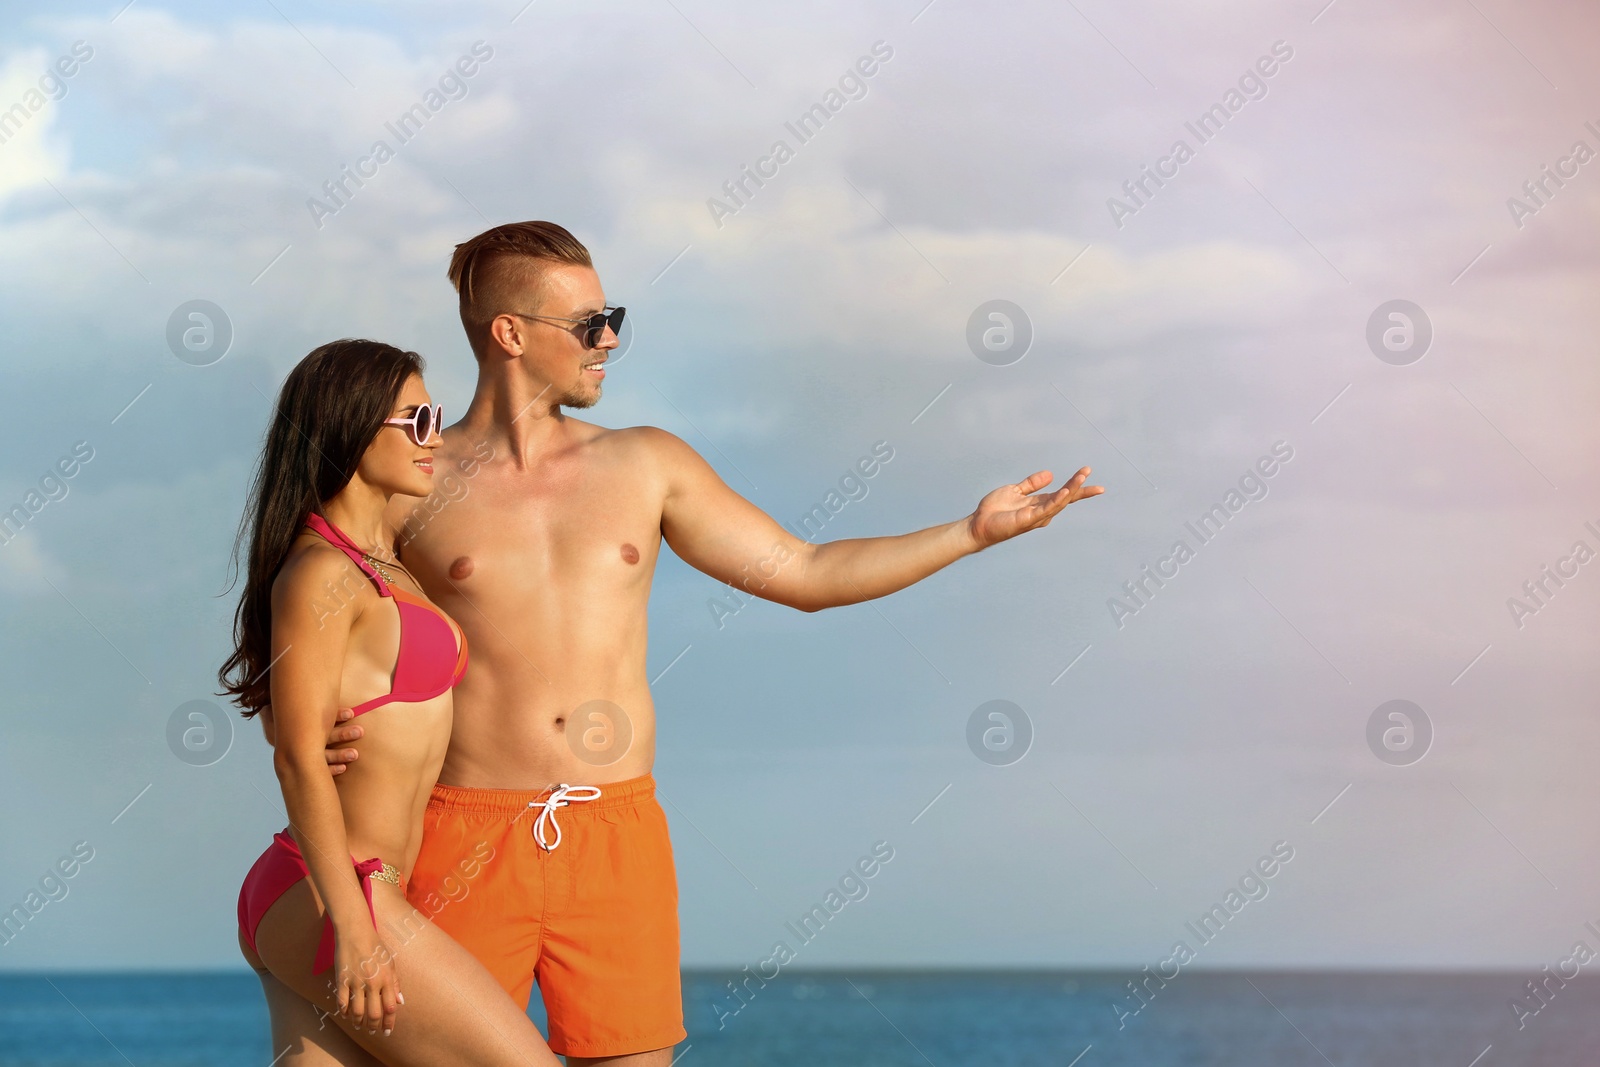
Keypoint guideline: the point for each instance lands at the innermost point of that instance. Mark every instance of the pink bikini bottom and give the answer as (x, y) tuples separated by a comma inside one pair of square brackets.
[(280, 867)]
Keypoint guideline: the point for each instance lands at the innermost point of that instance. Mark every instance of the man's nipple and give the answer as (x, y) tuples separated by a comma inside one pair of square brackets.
[(629, 554), (461, 568)]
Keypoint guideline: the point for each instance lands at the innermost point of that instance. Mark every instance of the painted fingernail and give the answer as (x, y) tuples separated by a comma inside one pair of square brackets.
[(401, 997), (386, 1033)]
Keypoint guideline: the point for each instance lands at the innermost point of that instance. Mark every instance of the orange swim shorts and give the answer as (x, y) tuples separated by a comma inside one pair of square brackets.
[(573, 888)]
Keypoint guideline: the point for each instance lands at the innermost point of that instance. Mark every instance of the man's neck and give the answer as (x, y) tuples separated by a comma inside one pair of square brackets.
[(517, 418)]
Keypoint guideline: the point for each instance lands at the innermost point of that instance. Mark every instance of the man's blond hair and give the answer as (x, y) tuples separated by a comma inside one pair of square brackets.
[(502, 270)]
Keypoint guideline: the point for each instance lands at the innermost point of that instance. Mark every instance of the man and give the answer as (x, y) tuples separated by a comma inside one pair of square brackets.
[(544, 555)]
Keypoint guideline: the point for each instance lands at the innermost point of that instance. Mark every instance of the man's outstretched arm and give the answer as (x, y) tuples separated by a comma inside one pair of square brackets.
[(717, 531)]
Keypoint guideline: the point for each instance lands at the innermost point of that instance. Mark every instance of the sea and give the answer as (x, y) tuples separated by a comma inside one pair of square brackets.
[(913, 1019)]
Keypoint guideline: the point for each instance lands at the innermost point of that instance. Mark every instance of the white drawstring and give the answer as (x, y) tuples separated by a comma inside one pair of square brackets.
[(563, 796)]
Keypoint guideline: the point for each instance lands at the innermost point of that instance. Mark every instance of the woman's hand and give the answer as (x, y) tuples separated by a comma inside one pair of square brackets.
[(367, 982)]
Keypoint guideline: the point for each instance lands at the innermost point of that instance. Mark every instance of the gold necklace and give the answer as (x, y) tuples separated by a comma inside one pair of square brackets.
[(378, 565), (381, 566)]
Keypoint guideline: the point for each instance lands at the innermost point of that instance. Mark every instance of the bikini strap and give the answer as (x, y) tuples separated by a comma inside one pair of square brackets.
[(339, 539)]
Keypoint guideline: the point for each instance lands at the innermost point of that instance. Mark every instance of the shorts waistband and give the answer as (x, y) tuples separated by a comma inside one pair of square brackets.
[(515, 802)]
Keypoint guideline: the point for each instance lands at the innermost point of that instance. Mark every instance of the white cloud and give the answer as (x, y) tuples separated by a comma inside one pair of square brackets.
[(29, 156), (24, 566)]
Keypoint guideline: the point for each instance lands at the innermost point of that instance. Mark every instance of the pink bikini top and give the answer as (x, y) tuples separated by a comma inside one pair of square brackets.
[(429, 662)]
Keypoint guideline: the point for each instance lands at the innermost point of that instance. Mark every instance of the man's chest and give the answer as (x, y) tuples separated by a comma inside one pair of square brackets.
[(558, 527)]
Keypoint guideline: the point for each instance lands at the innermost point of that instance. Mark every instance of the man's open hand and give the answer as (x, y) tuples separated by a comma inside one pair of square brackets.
[(337, 756), (1012, 509)]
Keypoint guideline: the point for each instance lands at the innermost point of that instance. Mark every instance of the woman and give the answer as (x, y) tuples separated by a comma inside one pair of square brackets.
[(330, 619)]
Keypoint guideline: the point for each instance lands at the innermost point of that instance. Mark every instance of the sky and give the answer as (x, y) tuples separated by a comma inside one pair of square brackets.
[(1341, 320)]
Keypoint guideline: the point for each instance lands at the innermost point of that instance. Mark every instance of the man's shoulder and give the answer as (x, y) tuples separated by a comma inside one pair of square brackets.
[(652, 436), (643, 441)]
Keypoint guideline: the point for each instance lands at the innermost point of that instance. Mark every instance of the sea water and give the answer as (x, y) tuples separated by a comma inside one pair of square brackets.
[(909, 1019)]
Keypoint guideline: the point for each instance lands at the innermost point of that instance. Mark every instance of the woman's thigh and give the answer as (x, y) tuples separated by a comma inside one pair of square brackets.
[(455, 1012), (301, 1037)]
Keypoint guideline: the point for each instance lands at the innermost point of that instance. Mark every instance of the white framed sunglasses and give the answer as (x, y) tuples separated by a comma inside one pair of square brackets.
[(422, 424)]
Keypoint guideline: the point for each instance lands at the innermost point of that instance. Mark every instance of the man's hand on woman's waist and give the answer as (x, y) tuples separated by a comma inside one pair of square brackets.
[(344, 731)]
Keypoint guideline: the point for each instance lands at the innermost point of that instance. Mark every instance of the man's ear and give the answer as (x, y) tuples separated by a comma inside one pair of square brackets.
[(505, 333)]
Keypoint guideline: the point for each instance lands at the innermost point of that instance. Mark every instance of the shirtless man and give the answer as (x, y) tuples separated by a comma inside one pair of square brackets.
[(543, 551)]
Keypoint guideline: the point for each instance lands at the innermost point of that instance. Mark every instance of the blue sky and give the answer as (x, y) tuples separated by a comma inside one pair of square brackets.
[(1228, 313)]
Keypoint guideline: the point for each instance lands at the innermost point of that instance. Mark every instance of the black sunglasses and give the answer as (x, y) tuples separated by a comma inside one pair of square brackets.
[(596, 323)]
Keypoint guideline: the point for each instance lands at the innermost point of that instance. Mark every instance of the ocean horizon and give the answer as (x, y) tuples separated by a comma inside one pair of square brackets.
[(876, 1017)]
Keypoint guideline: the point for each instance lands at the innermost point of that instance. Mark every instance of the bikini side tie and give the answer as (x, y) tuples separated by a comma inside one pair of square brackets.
[(366, 870)]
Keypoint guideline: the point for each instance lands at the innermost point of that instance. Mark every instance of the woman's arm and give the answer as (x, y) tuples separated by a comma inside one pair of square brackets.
[(344, 732), (308, 648)]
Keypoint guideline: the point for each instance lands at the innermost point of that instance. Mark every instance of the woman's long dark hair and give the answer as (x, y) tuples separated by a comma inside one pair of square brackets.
[(329, 411)]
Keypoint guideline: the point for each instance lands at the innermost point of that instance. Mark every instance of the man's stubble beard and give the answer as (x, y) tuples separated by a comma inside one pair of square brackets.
[(575, 399)]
